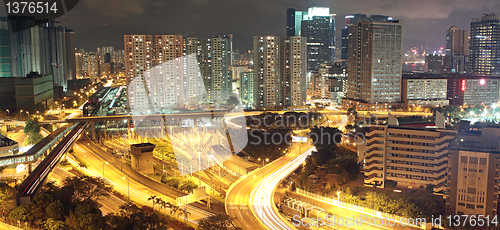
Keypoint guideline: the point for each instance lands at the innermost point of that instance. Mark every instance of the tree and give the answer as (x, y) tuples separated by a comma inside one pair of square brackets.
[(153, 198), (188, 186), (133, 217), (343, 178), (352, 112), (174, 209), (85, 217), (32, 130), (19, 213), (219, 222), (53, 224), (429, 188), (88, 188)]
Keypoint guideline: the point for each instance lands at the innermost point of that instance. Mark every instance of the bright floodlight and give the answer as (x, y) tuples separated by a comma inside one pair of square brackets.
[(494, 106), (472, 113)]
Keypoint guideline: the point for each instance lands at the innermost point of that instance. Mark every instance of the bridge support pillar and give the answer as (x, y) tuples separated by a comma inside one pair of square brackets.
[(92, 129), (4, 128), (195, 120), (29, 168)]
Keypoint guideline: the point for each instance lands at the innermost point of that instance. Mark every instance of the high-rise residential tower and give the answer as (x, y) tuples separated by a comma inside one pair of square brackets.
[(375, 62), (484, 46), (294, 70), (267, 71), (280, 71)]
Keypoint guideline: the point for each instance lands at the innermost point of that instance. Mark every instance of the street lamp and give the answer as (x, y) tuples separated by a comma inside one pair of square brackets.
[(103, 168), (338, 197), (8, 112), (128, 187)]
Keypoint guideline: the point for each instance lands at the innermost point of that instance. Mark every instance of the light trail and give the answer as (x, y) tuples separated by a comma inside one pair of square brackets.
[(262, 197)]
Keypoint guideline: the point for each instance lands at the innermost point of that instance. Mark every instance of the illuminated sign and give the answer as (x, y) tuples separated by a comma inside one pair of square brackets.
[(463, 84), (482, 81)]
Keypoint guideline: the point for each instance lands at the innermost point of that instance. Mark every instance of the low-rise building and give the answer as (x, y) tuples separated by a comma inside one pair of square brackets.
[(423, 92), (8, 147), (413, 157), (473, 171)]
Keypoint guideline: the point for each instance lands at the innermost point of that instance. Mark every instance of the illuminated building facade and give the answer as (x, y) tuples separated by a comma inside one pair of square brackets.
[(484, 48), (375, 62), (317, 24)]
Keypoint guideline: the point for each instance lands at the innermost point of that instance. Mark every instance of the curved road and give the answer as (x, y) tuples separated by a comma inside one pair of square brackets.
[(250, 200)]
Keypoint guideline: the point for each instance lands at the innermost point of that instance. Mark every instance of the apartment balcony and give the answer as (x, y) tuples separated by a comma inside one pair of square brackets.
[(375, 132)]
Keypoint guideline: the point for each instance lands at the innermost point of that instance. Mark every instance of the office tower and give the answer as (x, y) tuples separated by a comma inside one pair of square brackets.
[(457, 47), (294, 21), (375, 62), (47, 49), (484, 46), (457, 42), (246, 88), (294, 70), (335, 82), (70, 71), (473, 169), (318, 26), (349, 20), (5, 70), (138, 57), (267, 71), (434, 63)]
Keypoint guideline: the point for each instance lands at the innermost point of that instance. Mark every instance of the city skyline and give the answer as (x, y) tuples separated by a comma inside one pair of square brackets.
[(425, 21)]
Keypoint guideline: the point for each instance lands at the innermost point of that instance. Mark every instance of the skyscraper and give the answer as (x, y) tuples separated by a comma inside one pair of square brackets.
[(484, 46), (375, 62), (267, 71), (280, 71), (215, 68), (138, 55), (318, 26), (47, 49), (457, 49), (294, 70), (4, 48), (349, 20)]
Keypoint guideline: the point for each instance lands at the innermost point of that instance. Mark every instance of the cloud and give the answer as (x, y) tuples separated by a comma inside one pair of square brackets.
[(121, 8), (416, 9)]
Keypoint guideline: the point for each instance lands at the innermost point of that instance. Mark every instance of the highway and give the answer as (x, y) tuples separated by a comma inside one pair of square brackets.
[(138, 186), (250, 200)]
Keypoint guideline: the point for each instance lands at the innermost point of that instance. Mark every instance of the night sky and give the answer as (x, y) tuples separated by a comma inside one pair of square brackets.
[(104, 22)]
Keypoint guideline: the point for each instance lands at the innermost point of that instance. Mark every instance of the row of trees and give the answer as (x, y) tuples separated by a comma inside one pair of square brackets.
[(401, 204), (75, 206), (188, 186), (174, 209)]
